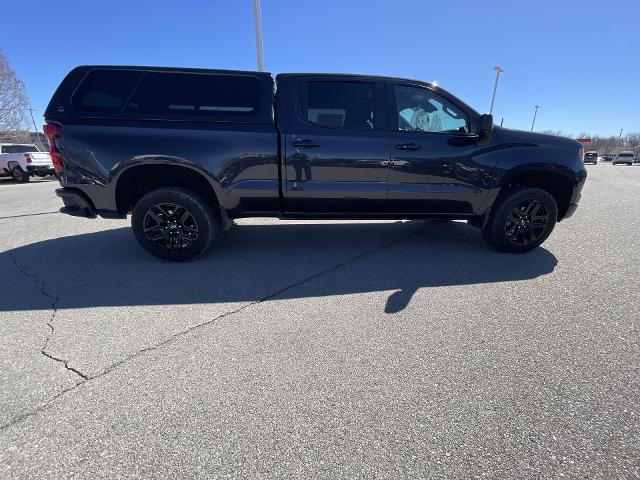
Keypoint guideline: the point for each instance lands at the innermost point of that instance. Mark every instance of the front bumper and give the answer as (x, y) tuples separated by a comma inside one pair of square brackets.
[(576, 194), (571, 210), (76, 203)]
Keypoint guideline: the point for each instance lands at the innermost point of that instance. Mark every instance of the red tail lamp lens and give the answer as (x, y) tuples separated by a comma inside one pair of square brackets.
[(52, 132)]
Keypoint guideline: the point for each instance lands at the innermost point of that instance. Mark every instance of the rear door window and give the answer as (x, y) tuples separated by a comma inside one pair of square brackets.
[(342, 105), (105, 91), (200, 95)]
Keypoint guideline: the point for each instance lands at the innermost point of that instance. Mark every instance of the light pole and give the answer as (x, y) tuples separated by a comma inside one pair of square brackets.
[(257, 20), (498, 70), (535, 113), (35, 128), (620, 136)]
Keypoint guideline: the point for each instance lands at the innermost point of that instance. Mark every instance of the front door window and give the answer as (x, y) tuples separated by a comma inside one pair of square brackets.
[(422, 110)]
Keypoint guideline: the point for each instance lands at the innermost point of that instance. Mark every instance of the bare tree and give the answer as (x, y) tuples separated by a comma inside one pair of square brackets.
[(632, 139), (604, 145), (14, 102), (611, 145), (556, 133)]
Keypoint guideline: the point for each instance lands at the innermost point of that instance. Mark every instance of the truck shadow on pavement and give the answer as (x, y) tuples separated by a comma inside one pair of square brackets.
[(252, 263)]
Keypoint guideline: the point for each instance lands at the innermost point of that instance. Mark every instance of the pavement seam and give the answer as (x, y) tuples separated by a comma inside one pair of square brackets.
[(250, 304), (172, 338), (28, 215)]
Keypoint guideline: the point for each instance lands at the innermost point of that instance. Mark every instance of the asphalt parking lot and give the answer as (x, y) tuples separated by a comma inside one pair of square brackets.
[(321, 349)]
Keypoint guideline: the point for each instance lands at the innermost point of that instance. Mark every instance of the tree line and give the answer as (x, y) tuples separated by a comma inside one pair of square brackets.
[(604, 144)]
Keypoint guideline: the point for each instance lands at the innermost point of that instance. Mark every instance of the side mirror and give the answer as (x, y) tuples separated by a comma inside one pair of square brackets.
[(486, 127)]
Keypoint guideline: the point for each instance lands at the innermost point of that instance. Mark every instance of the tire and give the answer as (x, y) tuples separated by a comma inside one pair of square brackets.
[(512, 226), (19, 175), (182, 237)]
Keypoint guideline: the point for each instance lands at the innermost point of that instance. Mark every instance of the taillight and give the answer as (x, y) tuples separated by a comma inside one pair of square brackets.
[(28, 157), (52, 132), (581, 153)]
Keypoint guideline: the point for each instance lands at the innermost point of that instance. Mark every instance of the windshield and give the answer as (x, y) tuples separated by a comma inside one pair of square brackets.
[(19, 148)]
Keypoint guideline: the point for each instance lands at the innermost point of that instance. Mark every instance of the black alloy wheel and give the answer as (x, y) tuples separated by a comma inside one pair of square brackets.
[(526, 223), (174, 223), (170, 226), (521, 219)]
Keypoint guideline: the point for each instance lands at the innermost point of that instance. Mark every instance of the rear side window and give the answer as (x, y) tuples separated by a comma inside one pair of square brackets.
[(19, 148), (105, 91), (183, 94), (344, 105)]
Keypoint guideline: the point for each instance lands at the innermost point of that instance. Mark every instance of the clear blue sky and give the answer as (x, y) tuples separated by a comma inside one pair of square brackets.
[(578, 59)]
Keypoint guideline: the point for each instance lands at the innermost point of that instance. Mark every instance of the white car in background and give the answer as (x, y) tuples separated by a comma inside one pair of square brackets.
[(623, 157), (23, 161)]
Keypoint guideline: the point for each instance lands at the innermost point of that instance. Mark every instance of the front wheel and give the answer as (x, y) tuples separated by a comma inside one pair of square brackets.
[(174, 224), (522, 218), (20, 175)]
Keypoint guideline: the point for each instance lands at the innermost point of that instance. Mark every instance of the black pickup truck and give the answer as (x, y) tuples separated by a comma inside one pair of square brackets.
[(185, 151)]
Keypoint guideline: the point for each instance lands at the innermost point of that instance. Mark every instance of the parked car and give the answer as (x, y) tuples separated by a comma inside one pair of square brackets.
[(607, 158), (23, 161), (591, 157), (185, 151), (623, 157)]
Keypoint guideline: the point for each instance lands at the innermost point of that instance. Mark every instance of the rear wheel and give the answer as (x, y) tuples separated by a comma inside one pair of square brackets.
[(522, 218), (174, 224), (19, 175)]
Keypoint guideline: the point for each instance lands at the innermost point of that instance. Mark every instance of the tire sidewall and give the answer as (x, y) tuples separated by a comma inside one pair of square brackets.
[(494, 231), (19, 175), (199, 208)]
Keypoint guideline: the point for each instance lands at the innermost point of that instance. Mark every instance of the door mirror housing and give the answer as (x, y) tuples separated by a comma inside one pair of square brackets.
[(486, 127)]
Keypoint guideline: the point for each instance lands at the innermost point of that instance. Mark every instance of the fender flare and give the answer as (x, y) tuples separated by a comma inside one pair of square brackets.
[(537, 167), (502, 182), (164, 160)]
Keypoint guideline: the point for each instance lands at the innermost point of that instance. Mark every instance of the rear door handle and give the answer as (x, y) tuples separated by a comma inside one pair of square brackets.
[(306, 143), (409, 147)]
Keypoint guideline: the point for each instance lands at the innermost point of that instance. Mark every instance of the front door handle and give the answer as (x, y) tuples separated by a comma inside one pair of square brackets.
[(409, 147), (306, 143)]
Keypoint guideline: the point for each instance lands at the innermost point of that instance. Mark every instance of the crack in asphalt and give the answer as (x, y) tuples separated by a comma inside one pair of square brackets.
[(54, 301), (29, 215), (176, 336)]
